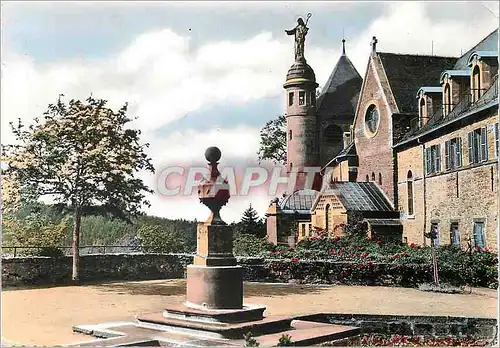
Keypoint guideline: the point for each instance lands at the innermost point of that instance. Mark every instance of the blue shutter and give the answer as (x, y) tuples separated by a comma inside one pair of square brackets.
[(458, 153), (427, 161), (471, 147), (438, 158), (484, 145), (447, 164), (496, 139)]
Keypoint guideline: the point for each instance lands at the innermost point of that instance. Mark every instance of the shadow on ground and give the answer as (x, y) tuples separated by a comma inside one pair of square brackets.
[(176, 288)]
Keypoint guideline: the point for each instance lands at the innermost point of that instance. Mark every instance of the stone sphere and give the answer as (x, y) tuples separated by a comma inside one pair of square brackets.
[(213, 154)]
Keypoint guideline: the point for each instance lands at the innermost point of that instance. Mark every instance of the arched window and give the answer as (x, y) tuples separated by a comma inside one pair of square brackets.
[(476, 84), (409, 183), (327, 213), (380, 178), (423, 113), (367, 178), (290, 135), (373, 176), (447, 99), (333, 134)]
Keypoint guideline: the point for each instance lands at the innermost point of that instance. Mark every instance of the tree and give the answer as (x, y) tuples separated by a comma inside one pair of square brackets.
[(251, 223), (83, 156), (35, 230), (273, 141), (159, 239)]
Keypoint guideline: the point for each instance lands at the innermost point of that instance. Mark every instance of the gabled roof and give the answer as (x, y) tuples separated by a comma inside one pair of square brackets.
[(429, 90), (349, 151), (480, 55), (340, 94), (489, 43), (359, 196), (453, 73), (462, 110), (299, 202), (406, 73)]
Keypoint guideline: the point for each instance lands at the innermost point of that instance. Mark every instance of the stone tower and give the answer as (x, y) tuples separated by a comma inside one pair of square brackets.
[(302, 131)]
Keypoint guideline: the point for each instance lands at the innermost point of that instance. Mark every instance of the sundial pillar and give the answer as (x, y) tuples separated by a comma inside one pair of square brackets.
[(214, 280)]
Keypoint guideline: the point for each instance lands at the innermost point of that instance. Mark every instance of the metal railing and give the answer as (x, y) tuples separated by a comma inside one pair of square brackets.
[(66, 250)]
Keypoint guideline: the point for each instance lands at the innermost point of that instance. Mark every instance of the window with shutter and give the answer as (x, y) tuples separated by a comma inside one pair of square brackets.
[(458, 153), (427, 161), (483, 145), (447, 163), (496, 139), (437, 156), (471, 147)]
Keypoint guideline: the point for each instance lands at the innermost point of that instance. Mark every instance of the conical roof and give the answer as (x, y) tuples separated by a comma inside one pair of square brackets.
[(340, 94)]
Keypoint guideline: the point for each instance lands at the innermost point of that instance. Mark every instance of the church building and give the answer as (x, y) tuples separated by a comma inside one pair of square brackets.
[(413, 146)]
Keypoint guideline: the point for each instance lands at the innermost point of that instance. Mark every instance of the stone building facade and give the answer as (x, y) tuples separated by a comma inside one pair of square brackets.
[(448, 164), (425, 134)]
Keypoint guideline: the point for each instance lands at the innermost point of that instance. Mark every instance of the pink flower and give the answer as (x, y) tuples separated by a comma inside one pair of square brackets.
[(340, 254), (364, 255), (379, 242), (331, 252), (368, 262), (314, 238), (413, 245), (271, 252), (486, 249), (295, 259), (344, 273), (281, 252)]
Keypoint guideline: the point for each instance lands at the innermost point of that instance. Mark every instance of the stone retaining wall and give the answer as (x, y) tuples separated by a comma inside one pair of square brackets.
[(426, 326)]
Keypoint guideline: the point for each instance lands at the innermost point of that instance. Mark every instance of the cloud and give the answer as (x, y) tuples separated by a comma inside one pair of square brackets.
[(164, 77)]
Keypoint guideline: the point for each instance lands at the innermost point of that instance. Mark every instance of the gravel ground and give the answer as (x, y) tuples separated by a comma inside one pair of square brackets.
[(44, 316)]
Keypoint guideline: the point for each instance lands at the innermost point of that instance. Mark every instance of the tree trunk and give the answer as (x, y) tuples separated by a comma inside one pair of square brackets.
[(77, 218)]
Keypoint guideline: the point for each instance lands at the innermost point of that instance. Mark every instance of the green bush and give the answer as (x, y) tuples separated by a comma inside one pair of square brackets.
[(366, 261), (250, 245), (159, 239)]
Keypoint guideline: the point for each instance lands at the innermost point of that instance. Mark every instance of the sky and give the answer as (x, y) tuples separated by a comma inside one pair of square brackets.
[(199, 74)]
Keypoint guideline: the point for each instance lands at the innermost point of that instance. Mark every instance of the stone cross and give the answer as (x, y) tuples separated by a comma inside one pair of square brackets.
[(374, 44)]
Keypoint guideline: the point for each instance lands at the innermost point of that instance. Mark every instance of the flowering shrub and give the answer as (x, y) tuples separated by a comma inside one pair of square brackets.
[(416, 341), (358, 260)]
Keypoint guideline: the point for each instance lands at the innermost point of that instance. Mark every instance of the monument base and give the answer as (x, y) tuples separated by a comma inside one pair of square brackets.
[(218, 287)]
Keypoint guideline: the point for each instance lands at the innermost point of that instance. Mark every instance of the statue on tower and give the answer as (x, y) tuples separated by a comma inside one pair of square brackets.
[(300, 32)]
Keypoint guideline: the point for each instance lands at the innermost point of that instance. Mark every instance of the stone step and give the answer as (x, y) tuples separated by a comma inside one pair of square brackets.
[(304, 333), (228, 330)]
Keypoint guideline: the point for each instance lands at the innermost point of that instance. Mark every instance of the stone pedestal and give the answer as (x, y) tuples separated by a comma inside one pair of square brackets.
[(218, 287), (214, 246)]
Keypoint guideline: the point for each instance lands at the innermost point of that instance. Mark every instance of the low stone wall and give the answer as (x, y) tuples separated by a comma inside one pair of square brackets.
[(47, 270), (51, 270), (426, 326)]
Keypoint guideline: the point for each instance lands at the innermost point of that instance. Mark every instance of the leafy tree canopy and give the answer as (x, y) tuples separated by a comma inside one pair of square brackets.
[(83, 155), (273, 141)]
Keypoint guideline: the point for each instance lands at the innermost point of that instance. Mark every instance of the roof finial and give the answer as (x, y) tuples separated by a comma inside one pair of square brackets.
[(343, 42), (374, 45)]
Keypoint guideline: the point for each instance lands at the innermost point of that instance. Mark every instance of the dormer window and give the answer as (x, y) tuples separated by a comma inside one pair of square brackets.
[(447, 99), (422, 110), (476, 84), (302, 98), (290, 99)]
